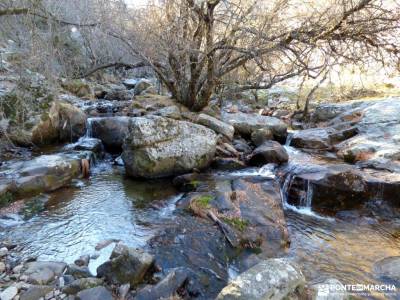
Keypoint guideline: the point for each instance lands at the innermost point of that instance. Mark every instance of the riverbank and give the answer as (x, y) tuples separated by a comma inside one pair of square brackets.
[(237, 193)]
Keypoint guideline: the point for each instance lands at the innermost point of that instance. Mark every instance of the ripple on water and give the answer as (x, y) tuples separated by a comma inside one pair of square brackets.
[(339, 249), (107, 207)]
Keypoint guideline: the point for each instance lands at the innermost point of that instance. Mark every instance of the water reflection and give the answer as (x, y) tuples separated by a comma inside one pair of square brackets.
[(76, 219)]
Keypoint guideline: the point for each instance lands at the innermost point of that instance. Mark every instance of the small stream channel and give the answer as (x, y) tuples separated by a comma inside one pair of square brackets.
[(108, 205)]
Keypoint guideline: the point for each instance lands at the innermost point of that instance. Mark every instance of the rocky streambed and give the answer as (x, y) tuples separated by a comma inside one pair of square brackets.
[(263, 220)]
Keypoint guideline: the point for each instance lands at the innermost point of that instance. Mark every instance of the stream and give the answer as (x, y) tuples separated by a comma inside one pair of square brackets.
[(71, 221)]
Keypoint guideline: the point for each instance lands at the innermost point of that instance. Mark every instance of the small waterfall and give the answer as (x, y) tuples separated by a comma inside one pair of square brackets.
[(306, 200), (285, 189), (89, 128), (305, 203), (88, 134), (289, 139)]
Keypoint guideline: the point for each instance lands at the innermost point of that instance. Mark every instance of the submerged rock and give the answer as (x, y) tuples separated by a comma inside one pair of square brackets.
[(249, 213), (268, 152), (269, 279), (160, 147), (246, 124), (126, 265)]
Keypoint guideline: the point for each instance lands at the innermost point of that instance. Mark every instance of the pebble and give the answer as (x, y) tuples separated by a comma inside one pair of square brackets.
[(18, 269), (3, 252), (9, 293), (2, 267)]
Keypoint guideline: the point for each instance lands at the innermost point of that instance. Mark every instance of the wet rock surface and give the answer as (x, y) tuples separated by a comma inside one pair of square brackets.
[(42, 174), (110, 130), (268, 152), (196, 244), (340, 186)]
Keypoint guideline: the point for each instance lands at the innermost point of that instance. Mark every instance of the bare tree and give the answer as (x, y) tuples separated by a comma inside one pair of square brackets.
[(195, 46)]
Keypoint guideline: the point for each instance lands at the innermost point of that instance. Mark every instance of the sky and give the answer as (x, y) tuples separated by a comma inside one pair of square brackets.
[(136, 2)]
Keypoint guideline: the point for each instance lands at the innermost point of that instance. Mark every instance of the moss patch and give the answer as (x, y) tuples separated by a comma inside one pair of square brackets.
[(237, 223), (6, 199), (200, 204), (204, 201)]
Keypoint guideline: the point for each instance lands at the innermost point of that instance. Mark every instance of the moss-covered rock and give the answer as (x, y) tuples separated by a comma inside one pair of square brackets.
[(160, 147), (45, 173), (79, 88), (62, 123)]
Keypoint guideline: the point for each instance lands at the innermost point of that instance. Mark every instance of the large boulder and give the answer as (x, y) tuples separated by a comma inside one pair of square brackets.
[(110, 130), (81, 284), (126, 265), (268, 152), (218, 126), (245, 124), (44, 173), (158, 147), (62, 123), (269, 279)]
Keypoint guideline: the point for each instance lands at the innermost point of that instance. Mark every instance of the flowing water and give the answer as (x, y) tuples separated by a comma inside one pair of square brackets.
[(109, 206), (106, 206)]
